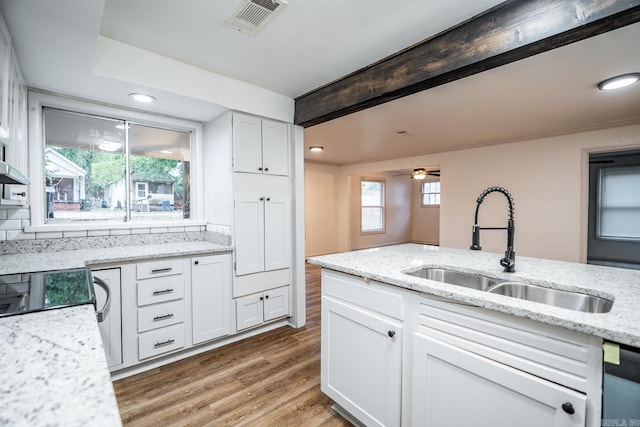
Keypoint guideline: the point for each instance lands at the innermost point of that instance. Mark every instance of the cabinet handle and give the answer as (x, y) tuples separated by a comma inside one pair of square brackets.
[(22, 194), (163, 343), (261, 298), (166, 316), (260, 169), (163, 291), (161, 270), (266, 296), (568, 408), (262, 199), (266, 169), (268, 199), (391, 334), (196, 262)]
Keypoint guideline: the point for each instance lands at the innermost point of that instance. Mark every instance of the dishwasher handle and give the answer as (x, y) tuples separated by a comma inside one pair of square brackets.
[(102, 314)]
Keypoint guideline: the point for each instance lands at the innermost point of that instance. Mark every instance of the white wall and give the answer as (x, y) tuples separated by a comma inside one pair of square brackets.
[(397, 212), (425, 220), (547, 178), (320, 209)]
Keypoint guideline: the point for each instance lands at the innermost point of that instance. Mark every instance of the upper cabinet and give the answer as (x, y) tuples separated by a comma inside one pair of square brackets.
[(260, 146), (5, 60)]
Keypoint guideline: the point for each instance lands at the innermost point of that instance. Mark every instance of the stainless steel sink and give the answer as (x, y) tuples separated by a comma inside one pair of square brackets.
[(577, 301), (565, 299), (468, 280)]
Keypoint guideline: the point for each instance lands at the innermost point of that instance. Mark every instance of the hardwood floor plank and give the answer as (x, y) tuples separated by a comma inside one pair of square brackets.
[(272, 379)]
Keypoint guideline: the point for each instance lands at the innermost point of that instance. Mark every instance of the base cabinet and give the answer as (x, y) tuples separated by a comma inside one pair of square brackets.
[(452, 386), (253, 310), (210, 297), (361, 362)]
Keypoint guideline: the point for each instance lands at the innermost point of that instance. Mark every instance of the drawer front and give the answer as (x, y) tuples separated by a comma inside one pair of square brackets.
[(372, 295), (167, 267), (152, 291), (160, 315), (160, 341)]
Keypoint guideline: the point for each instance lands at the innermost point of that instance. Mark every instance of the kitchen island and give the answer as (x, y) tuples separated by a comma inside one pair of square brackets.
[(389, 264), (401, 350)]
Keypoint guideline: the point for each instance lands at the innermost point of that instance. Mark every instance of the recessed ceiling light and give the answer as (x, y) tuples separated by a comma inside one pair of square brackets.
[(142, 97), (619, 81), (316, 148)]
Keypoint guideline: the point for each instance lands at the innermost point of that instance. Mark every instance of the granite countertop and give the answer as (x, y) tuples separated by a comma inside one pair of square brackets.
[(54, 370), (79, 258), (388, 264)]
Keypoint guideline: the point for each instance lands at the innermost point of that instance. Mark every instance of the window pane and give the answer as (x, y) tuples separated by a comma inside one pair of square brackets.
[(371, 193), (431, 193), (83, 156), (619, 204), (371, 219), (160, 160)]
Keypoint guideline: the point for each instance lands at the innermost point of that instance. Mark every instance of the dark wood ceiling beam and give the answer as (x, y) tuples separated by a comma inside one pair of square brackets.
[(509, 32)]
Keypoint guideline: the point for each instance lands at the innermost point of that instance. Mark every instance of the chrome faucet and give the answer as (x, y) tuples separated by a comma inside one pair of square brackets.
[(509, 260)]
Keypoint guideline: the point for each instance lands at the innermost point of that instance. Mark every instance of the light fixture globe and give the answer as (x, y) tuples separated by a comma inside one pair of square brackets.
[(419, 173), (620, 81)]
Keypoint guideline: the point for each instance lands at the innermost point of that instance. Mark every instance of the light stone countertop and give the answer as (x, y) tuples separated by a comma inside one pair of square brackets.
[(54, 371), (388, 264), (80, 258)]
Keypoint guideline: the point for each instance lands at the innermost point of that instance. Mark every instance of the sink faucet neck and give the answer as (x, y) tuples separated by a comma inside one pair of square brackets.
[(509, 260)]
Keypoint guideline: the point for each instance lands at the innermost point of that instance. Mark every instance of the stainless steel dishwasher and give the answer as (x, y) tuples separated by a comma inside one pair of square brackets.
[(621, 387)]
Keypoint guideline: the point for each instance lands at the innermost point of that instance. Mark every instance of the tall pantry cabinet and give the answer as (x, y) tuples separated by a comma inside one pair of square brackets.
[(250, 187)]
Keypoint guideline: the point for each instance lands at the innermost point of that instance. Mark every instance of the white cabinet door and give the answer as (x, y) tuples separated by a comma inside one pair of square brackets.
[(5, 95), (275, 151), (361, 363), (249, 311), (110, 328), (249, 234), (276, 303), (247, 144), (277, 239), (210, 297), (454, 387)]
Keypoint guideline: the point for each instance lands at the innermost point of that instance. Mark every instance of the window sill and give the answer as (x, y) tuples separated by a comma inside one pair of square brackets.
[(366, 233), (119, 228)]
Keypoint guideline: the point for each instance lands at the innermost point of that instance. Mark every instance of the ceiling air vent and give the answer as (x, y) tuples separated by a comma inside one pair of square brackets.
[(252, 15)]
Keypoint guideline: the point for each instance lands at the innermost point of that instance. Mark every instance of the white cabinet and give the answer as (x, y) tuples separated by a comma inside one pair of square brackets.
[(160, 295), (111, 326), (5, 90), (262, 233), (361, 348), (253, 310), (452, 386), (260, 146), (210, 297)]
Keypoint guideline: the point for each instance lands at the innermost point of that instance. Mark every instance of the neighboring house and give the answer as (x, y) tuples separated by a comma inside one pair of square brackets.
[(65, 182), (150, 192)]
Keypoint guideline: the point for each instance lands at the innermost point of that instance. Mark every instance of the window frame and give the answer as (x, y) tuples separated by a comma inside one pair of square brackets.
[(382, 208), (37, 101), (423, 193)]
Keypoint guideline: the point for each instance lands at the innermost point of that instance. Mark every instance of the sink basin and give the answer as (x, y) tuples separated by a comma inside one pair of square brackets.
[(452, 277), (555, 297)]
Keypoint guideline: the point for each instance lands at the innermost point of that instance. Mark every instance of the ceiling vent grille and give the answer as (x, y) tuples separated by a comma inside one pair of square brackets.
[(252, 15)]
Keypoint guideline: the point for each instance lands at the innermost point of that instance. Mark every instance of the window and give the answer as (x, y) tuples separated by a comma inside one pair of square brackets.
[(100, 168), (372, 206), (430, 193), (614, 209)]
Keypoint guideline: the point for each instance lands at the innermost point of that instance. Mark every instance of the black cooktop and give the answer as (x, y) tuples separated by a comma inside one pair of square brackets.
[(28, 292)]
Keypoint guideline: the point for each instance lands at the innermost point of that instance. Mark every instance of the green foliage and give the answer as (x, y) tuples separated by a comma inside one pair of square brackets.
[(67, 287)]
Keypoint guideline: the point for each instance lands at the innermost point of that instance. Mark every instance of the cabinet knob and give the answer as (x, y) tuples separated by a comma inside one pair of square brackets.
[(266, 296), (262, 199), (261, 298), (196, 262), (260, 169), (268, 199), (568, 408), (266, 169), (391, 334)]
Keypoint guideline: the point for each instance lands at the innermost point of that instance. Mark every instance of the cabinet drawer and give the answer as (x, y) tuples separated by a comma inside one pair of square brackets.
[(364, 293), (160, 315), (167, 267), (162, 289), (160, 341)]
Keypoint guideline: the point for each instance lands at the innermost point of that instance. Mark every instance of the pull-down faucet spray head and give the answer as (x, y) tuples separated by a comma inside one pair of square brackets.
[(509, 260)]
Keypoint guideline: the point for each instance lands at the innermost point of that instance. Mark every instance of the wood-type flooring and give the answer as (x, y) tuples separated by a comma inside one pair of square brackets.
[(272, 379)]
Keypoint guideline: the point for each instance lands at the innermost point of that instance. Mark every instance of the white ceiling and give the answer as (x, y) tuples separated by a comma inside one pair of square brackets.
[(312, 43)]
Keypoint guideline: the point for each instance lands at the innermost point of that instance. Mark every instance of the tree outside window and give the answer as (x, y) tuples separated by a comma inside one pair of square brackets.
[(372, 206)]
